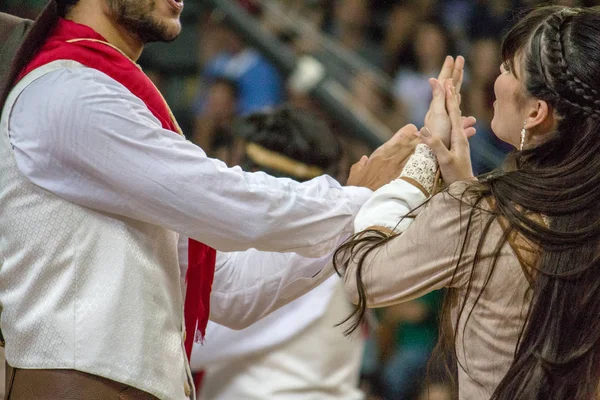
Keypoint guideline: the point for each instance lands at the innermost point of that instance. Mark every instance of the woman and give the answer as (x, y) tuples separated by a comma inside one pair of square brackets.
[(517, 248)]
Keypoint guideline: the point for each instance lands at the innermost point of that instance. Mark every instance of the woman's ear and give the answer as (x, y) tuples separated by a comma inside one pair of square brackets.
[(540, 119)]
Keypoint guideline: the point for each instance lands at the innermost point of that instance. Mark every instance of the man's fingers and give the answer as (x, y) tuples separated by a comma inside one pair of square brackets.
[(438, 101), (400, 145), (447, 67), (404, 136), (360, 164), (408, 137)]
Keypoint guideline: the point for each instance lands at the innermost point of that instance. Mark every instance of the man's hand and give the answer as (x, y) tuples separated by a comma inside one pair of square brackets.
[(386, 163)]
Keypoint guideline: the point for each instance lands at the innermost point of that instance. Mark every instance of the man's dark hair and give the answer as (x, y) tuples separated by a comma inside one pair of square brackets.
[(34, 39), (293, 133), (31, 45), (64, 6)]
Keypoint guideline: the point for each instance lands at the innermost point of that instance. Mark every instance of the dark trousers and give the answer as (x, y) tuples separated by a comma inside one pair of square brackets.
[(66, 384)]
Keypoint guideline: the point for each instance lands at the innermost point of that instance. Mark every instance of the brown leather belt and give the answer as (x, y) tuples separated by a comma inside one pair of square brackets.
[(66, 384)]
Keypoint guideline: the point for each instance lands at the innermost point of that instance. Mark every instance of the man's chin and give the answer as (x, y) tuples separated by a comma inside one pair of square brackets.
[(172, 31), (166, 33)]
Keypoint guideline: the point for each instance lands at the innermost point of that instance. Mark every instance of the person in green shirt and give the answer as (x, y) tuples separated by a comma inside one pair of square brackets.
[(406, 337)]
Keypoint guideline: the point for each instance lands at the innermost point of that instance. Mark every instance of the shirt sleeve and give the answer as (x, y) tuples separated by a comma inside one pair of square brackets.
[(223, 344), (84, 137), (250, 285), (425, 257)]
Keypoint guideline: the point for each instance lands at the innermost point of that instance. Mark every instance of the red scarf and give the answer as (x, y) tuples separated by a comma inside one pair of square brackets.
[(65, 43)]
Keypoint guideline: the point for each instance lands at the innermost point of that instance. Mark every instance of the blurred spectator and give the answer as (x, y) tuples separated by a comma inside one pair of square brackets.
[(351, 28), (403, 19), (430, 46), (378, 101), (490, 18), (478, 101), (398, 32), (259, 83), (212, 128), (484, 65), (405, 339)]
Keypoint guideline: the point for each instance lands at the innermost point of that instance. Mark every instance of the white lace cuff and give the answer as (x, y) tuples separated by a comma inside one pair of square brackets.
[(421, 168)]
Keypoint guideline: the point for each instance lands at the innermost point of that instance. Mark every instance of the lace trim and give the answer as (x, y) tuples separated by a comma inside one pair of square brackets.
[(422, 167)]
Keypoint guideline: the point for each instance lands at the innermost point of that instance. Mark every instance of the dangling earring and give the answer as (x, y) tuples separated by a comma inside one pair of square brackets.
[(523, 135)]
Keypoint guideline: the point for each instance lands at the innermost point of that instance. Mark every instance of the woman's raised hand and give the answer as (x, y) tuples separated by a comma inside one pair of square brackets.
[(455, 161), (437, 119)]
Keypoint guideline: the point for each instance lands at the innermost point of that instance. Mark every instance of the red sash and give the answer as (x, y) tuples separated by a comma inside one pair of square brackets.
[(72, 41)]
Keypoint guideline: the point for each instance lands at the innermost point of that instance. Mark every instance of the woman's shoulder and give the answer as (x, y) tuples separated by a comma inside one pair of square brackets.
[(463, 195)]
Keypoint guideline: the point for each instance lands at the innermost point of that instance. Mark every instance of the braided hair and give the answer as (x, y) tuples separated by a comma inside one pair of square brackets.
[(569, 92)]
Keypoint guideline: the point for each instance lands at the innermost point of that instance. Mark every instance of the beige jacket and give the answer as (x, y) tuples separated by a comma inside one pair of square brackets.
[(424, 258)]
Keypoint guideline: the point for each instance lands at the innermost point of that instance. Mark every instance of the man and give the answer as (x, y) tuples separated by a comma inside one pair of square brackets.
[(96, 181)]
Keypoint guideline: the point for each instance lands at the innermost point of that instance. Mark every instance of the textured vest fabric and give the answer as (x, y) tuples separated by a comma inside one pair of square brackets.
[(69, 40), (86, 290)]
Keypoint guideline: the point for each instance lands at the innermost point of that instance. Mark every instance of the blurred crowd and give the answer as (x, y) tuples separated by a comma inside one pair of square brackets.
[(382, 53)]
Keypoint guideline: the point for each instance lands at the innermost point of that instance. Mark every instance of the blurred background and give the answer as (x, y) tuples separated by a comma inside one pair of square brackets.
[(362, 67)]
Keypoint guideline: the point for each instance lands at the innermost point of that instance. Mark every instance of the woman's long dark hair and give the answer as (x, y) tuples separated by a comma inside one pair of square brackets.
[(34, 40), (558, 351)]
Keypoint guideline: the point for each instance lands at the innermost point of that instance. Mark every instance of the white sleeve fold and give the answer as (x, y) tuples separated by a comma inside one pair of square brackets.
[(390, 206)]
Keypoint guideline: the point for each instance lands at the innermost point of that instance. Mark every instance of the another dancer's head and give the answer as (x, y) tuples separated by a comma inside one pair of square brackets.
[(286, 142)]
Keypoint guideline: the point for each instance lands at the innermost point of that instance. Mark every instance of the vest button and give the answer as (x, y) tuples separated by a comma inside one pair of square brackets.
[(187, 389)]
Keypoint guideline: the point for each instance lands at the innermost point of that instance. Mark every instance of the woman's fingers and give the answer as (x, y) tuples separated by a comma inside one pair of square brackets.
[(458, 136), (470, 132), (468, 122), (435, 142)]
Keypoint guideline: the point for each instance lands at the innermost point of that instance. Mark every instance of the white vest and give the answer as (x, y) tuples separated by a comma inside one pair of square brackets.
[(86, 290)]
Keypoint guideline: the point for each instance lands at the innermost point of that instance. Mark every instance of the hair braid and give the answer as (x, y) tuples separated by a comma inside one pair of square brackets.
[(568, 88)]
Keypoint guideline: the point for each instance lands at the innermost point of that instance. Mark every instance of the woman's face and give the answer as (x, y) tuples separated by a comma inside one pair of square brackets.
[(509, 113)]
